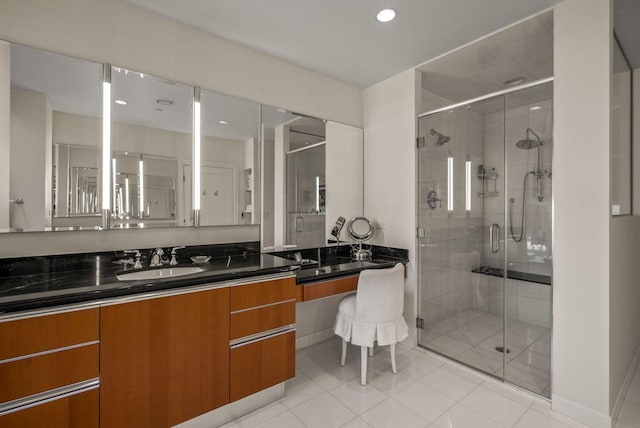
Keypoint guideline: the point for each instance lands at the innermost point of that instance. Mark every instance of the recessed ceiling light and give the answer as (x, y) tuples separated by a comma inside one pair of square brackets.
[(535, 108), (121, 102), (514, 81), (386, 15), (165, 102), (223, 122)]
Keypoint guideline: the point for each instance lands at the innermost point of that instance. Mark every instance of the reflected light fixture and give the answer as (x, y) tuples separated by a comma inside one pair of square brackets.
[(467, 186), (126, 195), (196, 156), (106, 144), (223, 122), (113, 184), (535, 108), (450, 183), (141, 181), (121, 102), (317, 194), (386, 15)]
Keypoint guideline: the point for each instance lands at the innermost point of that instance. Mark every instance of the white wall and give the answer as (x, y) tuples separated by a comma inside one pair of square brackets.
[(344, 174), (625, 271), (636, 142), (582, 69), (390, 110), (5, 138)]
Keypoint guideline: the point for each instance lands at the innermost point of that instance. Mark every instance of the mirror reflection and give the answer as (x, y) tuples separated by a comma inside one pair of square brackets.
[(229, 160), (312, 172), (151, 164), (49, 177)]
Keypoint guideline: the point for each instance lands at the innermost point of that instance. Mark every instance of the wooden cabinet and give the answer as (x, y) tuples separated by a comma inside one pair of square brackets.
[(331, 287), (49, 357), (74, 411), (261, 363), (164, 360)]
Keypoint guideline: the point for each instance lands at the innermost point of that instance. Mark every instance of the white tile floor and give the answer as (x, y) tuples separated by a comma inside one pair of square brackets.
[(427, 391), (471, 337)]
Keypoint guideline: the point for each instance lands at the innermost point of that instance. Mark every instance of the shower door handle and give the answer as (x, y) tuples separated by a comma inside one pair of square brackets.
[(494, 238)]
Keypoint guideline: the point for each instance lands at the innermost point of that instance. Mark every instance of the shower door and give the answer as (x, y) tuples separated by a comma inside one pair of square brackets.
[(461, 234), (484, 235)]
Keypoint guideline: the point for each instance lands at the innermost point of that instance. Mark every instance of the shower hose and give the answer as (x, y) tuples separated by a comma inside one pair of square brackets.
[(512, 201)]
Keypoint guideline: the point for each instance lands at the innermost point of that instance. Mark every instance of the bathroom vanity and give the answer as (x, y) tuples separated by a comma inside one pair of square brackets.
[(80, 348)]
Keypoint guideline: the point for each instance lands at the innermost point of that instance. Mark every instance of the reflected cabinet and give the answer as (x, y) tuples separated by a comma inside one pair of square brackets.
[(94, 146)]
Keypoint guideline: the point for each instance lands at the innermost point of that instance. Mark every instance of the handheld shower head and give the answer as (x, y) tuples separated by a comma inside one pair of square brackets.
[(528, 143), (442, 139)]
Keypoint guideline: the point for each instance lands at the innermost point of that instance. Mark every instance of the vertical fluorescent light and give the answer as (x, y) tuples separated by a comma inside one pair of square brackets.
[(106, 138), (196, 148), (126, 195), (113, 181), (467, 186), (450, 183), (141, 181), (317, 194)]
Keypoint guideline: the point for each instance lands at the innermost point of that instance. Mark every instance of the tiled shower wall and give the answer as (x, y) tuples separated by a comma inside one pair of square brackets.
[(533, 253), (453, 241)]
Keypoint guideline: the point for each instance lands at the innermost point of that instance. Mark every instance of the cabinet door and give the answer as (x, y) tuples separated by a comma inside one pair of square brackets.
[(262, 363), (74, 411), (164, 360)]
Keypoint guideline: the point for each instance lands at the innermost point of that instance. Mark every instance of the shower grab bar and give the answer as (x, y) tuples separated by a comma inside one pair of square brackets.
[(494, 238)]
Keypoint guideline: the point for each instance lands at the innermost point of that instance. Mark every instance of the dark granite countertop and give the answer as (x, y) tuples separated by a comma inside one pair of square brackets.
[(39, 282)]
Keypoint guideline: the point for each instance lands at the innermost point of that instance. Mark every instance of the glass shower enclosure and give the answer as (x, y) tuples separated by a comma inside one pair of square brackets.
[(484, 234)]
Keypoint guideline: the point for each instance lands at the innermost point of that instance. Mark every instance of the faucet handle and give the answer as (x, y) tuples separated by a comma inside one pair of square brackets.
[(159, 251), (174, 251)]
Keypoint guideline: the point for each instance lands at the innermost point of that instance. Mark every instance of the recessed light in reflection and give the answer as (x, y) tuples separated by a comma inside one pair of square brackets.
[(223, 122), (386, 15), (535, 108), (121, 102)]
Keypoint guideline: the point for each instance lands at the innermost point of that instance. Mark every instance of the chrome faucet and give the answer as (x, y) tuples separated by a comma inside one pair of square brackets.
[(174, 251), (156, 257), (137, 264)]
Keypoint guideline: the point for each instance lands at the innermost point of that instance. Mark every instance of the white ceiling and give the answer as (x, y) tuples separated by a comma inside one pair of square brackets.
[(342, 39), (522, 50)]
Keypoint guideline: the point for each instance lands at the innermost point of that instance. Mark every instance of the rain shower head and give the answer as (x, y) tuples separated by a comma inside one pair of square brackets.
[(442, 139), (529, 143)]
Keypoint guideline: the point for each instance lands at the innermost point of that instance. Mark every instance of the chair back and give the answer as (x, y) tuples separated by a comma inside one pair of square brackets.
[(380, 294)]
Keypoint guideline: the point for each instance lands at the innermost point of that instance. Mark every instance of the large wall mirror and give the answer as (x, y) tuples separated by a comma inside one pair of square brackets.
[(151, 128), (312, 174), (229, 165), (51, 152), (293, 173)]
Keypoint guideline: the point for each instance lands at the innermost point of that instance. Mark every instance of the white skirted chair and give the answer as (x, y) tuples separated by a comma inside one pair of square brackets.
[(374, 313)]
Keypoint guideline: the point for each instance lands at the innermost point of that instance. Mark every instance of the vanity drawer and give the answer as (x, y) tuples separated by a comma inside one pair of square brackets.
[(252, 321), (262, 293), (332, 287), (32, 375), (47, 332), (261, 363), (72, 411)]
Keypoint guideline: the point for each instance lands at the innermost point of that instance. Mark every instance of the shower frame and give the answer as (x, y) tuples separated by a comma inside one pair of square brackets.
[(420, 322)]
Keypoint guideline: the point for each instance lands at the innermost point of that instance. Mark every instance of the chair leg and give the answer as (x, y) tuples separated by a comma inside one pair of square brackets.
[(363, 365), (343, 359), (371, 351), (393, 358)]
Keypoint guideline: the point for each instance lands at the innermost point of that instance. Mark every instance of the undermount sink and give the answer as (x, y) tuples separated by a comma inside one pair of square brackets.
[(159, 273)]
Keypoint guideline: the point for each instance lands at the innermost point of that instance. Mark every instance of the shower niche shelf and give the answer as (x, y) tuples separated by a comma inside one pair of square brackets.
[(489, 179)]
